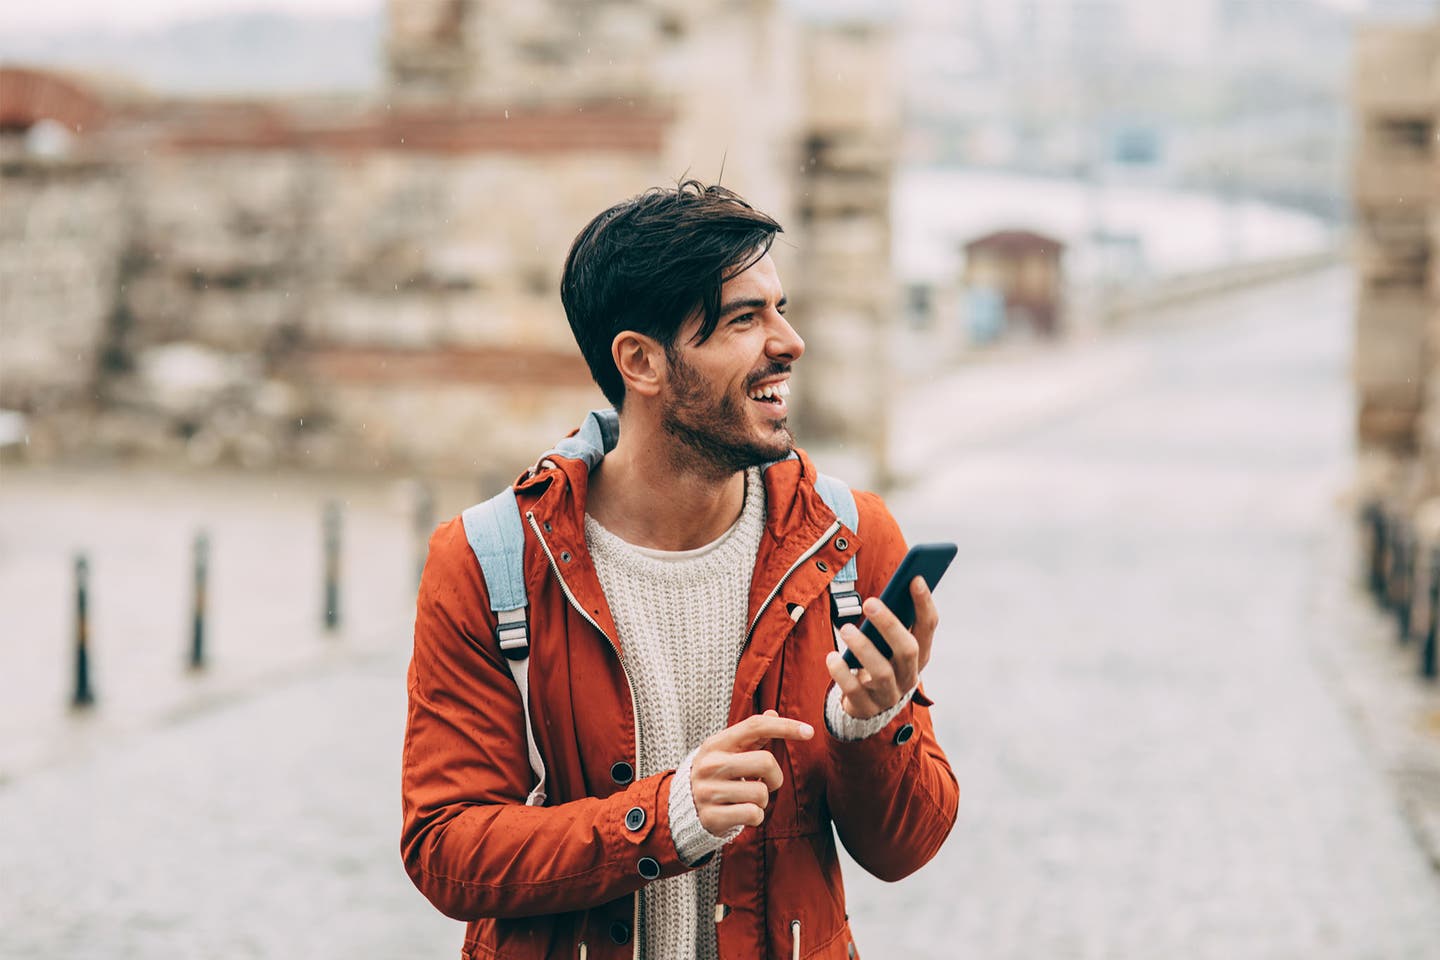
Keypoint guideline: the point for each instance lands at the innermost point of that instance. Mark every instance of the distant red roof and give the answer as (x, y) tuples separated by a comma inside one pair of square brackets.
[(535, 366), (1012, 242), (546, 129), (28, 96)]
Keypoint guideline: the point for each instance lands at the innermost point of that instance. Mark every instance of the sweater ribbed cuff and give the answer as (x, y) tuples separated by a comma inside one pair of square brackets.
[(692, 840), (844, 727)]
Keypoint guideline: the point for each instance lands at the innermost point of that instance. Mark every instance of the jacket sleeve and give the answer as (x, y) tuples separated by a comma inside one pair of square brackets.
[(468, 841), (892, 796)]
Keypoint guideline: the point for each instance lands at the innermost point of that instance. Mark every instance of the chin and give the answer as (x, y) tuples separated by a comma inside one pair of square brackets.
[(781, 440)]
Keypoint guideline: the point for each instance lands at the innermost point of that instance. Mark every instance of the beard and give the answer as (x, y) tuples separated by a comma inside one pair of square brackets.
[(712, 433)]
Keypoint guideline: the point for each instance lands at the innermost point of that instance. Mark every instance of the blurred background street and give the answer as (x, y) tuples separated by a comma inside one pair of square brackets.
[(1130, 300)]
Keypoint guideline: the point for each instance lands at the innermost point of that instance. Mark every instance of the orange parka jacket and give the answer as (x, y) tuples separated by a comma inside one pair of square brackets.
[(560, 880)]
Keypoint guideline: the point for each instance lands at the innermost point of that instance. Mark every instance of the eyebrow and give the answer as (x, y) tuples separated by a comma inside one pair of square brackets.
[(752, 303)]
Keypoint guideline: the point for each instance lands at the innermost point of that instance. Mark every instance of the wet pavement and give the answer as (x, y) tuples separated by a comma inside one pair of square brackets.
[(1144, 680)]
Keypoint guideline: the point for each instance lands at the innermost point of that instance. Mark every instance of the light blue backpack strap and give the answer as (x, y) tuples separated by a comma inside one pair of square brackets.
[(497, 537), (845, 600), (838, 497), (597, 437)]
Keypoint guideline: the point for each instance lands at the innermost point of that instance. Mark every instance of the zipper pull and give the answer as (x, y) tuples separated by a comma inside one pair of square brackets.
[(584, 950), (795, 939)]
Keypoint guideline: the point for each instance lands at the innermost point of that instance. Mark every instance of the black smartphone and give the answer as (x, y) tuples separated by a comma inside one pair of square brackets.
[(928, 560)]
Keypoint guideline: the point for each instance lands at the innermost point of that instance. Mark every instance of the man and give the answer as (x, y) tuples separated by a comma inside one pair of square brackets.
[(699, 733)]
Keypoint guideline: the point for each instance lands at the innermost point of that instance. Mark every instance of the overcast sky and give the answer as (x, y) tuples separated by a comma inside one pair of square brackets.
[(138, 14)]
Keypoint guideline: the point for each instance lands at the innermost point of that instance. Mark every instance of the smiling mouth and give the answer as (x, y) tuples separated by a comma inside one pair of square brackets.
[(774, 394)]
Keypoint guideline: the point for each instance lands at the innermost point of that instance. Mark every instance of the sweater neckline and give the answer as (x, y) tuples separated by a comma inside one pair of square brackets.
[(754, 490)]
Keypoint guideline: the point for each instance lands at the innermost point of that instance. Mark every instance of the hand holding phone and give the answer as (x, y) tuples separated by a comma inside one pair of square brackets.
[(927, 560)]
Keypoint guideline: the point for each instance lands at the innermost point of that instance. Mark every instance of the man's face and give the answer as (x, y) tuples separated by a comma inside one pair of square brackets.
[(715, 403)]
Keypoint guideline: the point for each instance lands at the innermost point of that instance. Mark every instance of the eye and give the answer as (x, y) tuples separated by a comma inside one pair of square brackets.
[(743, 318)]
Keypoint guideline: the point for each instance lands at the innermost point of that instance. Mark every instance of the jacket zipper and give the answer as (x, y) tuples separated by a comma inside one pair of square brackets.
[(814, 549), (794, 940), (629, 687), (584, 950)]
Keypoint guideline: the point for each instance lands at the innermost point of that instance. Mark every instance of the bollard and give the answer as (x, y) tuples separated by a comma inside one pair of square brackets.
[(424, 526), (332, 565), (1394, 557), (1427, 651), (84, 695), (1386, 551), (197, 619), (1405, 584), (1375, 524)]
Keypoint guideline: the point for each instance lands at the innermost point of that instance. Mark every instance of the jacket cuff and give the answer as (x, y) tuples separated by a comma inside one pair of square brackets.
[(693, 842), (846, 728)]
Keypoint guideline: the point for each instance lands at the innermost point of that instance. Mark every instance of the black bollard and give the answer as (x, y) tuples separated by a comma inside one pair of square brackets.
[(84, 695), (1427, 651), (424, 526), (1394, 552), (332, 565), (197, 620), (1385, 550), (1375, 526), (1405, 576)]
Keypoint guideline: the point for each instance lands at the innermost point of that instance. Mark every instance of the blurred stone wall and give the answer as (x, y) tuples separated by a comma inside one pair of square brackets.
[(63, 230), (1396, 97), (1396, 190), (361, 285)]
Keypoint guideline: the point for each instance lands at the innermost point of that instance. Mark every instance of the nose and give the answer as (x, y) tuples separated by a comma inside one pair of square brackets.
[(784, 343)]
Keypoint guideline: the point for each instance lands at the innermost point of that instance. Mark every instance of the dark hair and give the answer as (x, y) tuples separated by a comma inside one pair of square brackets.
[(649, 263)]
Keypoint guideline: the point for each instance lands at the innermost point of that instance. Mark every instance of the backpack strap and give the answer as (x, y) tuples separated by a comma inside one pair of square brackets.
[(844, 599), (596, 437), (497, 537)]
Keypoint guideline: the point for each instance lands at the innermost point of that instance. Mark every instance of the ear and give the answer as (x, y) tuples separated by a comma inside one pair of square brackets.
[(640, 360)]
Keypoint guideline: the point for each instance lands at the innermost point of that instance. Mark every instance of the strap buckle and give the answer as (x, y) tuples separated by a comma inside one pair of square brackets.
[(845, 607), (514, 634)]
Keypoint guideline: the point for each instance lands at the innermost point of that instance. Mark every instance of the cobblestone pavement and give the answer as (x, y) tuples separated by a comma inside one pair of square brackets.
[(1147, 681), (1136, 681)]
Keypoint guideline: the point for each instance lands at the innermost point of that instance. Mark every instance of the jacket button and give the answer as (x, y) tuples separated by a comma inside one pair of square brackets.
[(904, 734), (620, 932), (649, 868), (565, 556), (635, 818), (622, 772), (822, 565), (841, 543)]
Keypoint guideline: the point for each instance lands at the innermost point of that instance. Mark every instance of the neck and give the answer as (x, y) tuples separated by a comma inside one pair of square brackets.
[(646, 496)]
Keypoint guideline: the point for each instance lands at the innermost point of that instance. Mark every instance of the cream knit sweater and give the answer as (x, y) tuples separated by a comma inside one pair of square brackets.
[(681, 620)]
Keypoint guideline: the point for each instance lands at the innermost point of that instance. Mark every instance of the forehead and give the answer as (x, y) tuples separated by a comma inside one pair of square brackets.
[(760, 281)]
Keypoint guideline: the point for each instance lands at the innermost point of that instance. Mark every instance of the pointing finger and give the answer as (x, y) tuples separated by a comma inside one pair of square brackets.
[(758, 730)]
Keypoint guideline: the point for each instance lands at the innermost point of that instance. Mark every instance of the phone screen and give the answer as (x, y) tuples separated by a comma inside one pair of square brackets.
[(927, 560)]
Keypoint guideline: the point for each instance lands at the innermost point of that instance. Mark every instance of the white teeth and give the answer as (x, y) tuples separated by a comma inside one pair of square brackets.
[(781, 389)]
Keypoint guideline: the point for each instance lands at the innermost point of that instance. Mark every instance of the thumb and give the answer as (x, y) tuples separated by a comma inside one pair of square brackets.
[(771, 713)]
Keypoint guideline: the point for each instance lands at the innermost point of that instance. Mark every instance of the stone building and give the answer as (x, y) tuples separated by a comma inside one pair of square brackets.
[(1397, 100), (1396, 192), (363, 283)]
